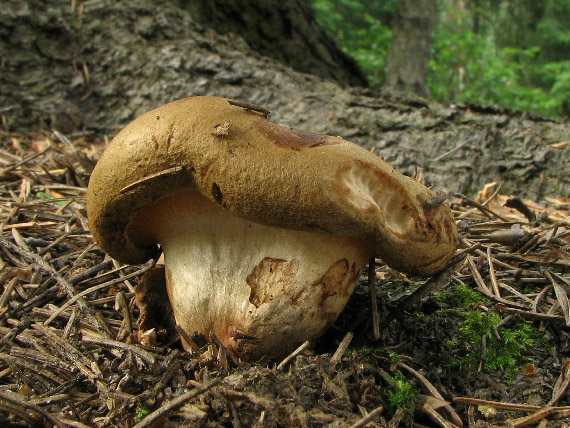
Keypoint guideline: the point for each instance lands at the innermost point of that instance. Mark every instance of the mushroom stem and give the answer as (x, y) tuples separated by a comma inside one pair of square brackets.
[(261, 289)]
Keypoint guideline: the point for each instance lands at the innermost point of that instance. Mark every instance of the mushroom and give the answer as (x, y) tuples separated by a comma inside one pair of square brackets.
[(264, 228)]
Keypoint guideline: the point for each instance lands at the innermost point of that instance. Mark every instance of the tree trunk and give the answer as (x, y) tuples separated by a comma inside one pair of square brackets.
[(411, 46), (285, 30)]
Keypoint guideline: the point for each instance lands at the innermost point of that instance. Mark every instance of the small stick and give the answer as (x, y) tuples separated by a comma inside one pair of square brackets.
[(21, 403), (395, 421), (480, 207), (146, 356), (493, 196), (55, 398), (449, 152), (122, 305), (173, 171), (499, 405), (253, 107), (29, 224), (501, 324), (342, 347), (236, 423), (7, 291), (121, 274), (176, 403), (540, 297), (368, 418), (483, 352), (293, 354), (230, 394), (171, 370), (533, 418), (534, 315), (53, 244), (553, 233), (530, 244), (70, 325), (18, 411), (186, 338), (373, 301), (492, 275), (561, 278), (478, 278), (436, 417), (516, 293), (91, 272)]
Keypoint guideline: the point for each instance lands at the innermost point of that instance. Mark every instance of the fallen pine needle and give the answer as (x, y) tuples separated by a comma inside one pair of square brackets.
[(293, 354), (176, 403), (368, 418)]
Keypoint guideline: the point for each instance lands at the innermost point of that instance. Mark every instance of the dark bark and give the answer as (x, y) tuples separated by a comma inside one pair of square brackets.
[(282, 29), (411, 45), (103, 66)]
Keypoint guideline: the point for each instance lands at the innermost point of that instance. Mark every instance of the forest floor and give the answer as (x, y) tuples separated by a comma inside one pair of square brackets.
[(484, 343)]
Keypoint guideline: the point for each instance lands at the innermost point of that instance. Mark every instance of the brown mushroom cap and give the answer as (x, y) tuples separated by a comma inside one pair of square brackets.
[(267, 174)]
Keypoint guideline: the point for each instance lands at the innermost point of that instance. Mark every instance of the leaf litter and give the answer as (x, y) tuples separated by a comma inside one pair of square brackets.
[(70, 355)]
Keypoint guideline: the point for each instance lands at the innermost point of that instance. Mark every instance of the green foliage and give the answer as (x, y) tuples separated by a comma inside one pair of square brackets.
[(502, 52), (465, 67), (507, 353), (402, 397), (363, 31), (462, 296), (475, 67), (142, 412), (553, 31)]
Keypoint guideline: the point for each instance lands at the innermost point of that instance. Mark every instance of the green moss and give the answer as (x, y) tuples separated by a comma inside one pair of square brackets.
[(402, 396), (462, 296), (142, 412), (506, 348)]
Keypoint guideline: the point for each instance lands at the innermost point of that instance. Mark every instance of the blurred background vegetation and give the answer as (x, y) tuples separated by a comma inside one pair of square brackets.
[(514, 53)]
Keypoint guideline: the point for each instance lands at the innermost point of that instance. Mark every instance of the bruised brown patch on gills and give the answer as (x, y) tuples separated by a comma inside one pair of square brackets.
[(269, 278), (293, 139)]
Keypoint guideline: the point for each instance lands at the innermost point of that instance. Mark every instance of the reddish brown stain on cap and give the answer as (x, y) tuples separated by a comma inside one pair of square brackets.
[(292, 138)]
